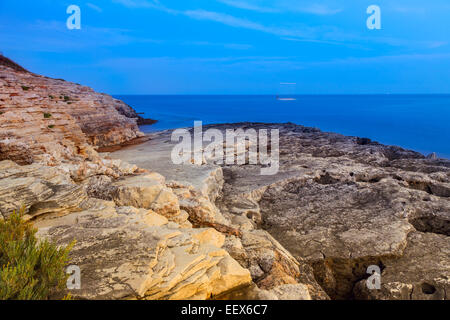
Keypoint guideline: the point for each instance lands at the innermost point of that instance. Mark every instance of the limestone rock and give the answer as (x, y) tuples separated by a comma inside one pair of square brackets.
[(133, 254), (292, 292), (197, 187), (39, 189), (339, 203), (51, 120), (421, 273), (270, 265), (141, 191)]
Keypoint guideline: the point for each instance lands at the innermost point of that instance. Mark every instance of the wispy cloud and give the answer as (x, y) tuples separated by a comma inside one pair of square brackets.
[(297, 32), (283, 6), (242, 23), (236, 46), (53, 36), (263, 63), (383, 59), (319, 9), (138, 3), (197, 63), (248, 6), (94, 7)]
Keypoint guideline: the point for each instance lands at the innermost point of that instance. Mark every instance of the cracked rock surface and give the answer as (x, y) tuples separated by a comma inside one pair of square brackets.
[(343, 203), (138, 245), (149, 229), (336, 206)]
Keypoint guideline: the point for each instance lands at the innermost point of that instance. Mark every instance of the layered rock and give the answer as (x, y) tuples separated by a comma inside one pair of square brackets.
[(125, 250), (129, 253), (51, 120), (39, 190), (276, 273), (337, 206), (149, 229), (342, 204)]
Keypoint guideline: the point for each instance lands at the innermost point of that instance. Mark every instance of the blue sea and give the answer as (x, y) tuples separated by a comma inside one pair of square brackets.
[(417, 122)]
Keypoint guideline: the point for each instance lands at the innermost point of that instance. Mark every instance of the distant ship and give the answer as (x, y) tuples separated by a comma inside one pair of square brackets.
[(287, 89), (285, 99)]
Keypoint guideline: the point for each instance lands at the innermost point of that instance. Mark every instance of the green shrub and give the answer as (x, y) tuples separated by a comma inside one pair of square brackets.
[(25, 88), (51, 126), (66, 98), (51, 97), (29, 269), (47, 115)]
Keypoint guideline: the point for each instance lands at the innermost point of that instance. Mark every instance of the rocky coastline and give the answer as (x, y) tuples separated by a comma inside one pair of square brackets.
[(146, 228)]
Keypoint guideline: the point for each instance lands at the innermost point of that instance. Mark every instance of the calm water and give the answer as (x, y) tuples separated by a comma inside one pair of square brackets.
[(418, 122)]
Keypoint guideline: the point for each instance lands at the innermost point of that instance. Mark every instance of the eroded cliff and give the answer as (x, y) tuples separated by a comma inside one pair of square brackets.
[(133, 239), (51, 119), (149, 229)]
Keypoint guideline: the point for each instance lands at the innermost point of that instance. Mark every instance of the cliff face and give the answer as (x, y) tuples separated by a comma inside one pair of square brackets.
[(50, 119), (133, 240), (337, 206)]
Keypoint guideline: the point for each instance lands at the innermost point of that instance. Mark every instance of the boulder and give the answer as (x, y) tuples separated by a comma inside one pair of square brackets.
[(129, 253)]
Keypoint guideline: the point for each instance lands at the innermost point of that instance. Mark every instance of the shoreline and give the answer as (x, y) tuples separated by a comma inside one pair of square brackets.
[(147, 228), (135, 141), (337, 205), (238, 124)]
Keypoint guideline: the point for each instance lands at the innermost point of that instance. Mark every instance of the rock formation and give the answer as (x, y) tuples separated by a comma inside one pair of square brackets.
[(133, 239), (146, 228), (341, 204), (337, 206), (51, 120), (138, 245)]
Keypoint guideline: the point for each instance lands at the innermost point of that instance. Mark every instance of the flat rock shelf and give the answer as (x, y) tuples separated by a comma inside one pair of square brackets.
[(337, 205)]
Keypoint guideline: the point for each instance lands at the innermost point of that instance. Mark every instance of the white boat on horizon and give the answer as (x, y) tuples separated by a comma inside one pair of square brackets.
[(287, 90), (285, 99)]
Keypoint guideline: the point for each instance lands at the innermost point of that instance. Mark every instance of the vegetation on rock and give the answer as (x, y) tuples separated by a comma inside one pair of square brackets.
[(29, 269)]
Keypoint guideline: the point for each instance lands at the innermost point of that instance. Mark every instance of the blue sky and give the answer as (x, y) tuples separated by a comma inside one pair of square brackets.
[(234, 46)]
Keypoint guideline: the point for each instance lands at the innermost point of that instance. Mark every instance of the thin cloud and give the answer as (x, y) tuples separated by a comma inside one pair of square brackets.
[(319, 9), (94, 7), (321, 34), (236, 46), (53, 36), (314, 8), (233, 21), (401, 58), (259, 62), (138, 3), (247, 6)]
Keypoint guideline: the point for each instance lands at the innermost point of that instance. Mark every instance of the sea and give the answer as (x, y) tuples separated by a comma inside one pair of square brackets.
[(417, 122)]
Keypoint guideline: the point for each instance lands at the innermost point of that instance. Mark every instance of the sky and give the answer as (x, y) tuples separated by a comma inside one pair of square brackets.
[(234, 46)]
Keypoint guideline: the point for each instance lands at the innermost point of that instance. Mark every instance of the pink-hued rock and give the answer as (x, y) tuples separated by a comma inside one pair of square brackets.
[(52, 120)]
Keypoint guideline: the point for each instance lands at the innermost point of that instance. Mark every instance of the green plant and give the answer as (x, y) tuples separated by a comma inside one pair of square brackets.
[(51, 97), (47, 115), (25, 88), (51, 126), (66, 98), (29, 269)]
